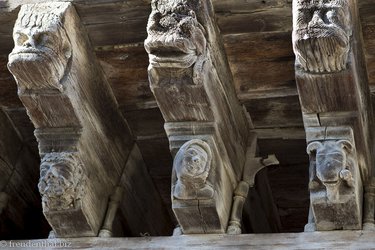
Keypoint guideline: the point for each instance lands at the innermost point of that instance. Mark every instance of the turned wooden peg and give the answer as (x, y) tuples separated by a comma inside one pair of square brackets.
[(240, 194), (369, 206), (114, 201)]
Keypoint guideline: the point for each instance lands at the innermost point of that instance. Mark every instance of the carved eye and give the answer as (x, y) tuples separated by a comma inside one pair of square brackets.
[(43, 169), (40, 38), (20, 38), (331, 17), (304, 16)]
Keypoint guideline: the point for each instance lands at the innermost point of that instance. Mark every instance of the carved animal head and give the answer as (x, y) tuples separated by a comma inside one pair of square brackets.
[(175, 37), (321, 34), (332, 164), (41, 48), (60, 182), (193, 160)]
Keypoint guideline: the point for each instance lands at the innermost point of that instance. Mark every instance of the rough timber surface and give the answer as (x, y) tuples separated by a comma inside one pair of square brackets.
[(257, 40), (317, 240)]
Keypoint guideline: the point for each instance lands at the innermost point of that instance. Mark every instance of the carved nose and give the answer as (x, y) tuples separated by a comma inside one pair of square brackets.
[(29, 43), (195, 159), (50, 175), (316, 20)]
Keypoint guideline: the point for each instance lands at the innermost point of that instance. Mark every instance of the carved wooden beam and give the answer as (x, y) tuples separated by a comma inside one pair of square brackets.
[(335, 182), (333, 89), (193, 86), (84, 142), (18, 179)]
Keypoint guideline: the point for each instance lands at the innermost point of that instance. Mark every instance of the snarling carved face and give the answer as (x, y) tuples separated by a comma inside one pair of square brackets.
[(60, 180), (332, 164), (175, 37), (42, 48), (321, 34)]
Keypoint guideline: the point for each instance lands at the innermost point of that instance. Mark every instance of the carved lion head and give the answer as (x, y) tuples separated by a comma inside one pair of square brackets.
[(175, 37)]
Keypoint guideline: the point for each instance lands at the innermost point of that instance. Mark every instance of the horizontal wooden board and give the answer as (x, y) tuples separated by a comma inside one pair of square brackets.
[(336, 240), (275, 19), (275, 112), (126, 70)]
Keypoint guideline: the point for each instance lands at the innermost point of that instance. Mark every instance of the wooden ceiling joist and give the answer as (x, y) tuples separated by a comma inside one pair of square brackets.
[(86, 147), (337, 110)]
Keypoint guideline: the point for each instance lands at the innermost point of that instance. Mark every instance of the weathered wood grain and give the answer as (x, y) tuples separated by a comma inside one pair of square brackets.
[(318, 240), (275, 112), (78, 126)]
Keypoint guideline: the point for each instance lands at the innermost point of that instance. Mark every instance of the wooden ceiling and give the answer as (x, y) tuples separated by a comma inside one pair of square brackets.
[(257, 39)]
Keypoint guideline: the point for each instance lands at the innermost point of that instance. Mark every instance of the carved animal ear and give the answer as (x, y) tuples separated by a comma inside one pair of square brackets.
[(345, 144), (313, 146)]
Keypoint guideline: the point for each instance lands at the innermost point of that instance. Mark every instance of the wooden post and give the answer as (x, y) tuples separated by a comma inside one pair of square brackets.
[(193, 86), (335, 99), (84, 142)]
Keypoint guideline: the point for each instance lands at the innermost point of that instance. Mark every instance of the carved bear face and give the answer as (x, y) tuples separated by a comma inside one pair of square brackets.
[(41, 47), (321, 32), (331, 165), (175, 37), (330, 160)]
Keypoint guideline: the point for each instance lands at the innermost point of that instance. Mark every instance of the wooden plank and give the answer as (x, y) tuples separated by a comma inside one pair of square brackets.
[(257, 46), (275, 112), (281, 133), (147, 213), (126, 70), (317, 240), (247, 6), (277, 19)]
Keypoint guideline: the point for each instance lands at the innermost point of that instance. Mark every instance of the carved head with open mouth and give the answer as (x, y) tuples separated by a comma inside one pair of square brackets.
[(42, 48), (321, 34), (175, 37)]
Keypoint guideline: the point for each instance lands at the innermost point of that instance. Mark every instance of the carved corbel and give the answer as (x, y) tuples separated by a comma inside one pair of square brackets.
[(84, 141), (335, 182), (193, 86), (321, 35), (194, 193), (192, 166), (62, 181)]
